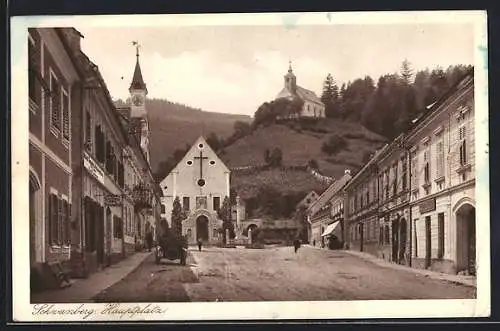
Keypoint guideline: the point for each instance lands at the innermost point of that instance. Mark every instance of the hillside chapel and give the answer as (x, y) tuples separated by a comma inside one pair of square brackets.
[(201, 181), (312, 107)]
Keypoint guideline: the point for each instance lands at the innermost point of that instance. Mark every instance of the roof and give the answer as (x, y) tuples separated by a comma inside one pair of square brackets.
[(137, 81), (328, 194), (308, 95)]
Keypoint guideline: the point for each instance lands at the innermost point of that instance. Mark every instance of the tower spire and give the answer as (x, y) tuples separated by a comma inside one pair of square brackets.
[(290, 65), (137, 81)]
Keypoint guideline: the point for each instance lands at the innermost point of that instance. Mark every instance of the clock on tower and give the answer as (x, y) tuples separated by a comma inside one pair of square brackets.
[(137, 100)]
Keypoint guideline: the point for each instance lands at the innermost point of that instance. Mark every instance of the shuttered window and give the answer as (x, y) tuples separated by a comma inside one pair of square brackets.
[(88, 131), (55, 102), (439, 159), (65, 113), (462, 136)]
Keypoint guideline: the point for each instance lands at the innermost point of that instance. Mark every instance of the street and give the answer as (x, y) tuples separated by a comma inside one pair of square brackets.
[(275, 274)]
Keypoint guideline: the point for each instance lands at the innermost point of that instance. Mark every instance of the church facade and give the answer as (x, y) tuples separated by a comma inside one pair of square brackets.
[(313, 107), (201, 182)]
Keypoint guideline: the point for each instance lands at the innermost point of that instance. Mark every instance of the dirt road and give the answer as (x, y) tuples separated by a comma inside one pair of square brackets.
[(275, 274)]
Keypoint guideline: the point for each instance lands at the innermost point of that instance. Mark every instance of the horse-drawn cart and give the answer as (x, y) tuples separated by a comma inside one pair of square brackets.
[(171, 248)]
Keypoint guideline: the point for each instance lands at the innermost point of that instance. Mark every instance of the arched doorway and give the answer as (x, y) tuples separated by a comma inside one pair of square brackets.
[(202, 228), (466, 238), (34, 191)]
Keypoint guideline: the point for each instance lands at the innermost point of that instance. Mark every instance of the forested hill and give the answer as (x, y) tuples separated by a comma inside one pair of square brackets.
[(175, 125), (387, 106)]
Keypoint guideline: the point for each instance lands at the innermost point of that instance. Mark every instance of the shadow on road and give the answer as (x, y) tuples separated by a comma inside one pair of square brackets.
[(152, 282)]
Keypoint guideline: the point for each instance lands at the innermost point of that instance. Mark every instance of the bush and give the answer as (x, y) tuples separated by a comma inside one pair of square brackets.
[(334, 145)]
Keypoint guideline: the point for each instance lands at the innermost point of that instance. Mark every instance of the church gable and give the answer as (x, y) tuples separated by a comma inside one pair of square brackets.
[(194, 152)]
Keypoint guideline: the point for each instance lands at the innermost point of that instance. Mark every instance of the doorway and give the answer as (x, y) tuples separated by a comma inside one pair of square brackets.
[(402, 241), (202, 228), (361, 236), (395, 240), (428, 243), (34, 192), (466, 239)]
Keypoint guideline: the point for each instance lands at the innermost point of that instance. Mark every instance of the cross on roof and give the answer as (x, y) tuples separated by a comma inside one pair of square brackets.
[(201, 158)]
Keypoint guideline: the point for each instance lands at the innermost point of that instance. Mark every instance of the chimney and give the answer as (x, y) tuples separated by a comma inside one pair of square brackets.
[(347, 172)]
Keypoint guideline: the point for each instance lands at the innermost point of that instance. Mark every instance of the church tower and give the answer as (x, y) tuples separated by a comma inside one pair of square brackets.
[(290, 80), (138, 92)]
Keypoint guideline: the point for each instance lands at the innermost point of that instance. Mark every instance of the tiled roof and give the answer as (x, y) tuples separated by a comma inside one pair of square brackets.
[(308, 95), (328, 194)]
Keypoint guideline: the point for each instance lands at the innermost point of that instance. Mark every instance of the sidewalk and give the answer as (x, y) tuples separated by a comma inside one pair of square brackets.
[(83, 290), (457, 279)]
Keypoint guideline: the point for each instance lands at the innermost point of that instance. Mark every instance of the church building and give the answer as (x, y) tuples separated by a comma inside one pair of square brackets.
[(201, 181), (313, 107)]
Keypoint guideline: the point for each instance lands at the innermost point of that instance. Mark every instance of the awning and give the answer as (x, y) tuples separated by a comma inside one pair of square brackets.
[(329, 229)]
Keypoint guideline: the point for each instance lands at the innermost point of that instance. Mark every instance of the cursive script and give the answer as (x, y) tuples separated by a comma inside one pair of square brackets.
[(131, 311), (52, 309)]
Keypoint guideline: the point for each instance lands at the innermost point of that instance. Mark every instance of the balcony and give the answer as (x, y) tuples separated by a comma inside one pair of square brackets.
[(142, 197)]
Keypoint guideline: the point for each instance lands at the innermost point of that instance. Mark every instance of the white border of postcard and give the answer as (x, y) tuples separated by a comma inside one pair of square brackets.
[(24, 311)]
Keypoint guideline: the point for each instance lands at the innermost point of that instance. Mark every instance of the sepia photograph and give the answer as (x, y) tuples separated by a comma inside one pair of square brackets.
[(250, 166)]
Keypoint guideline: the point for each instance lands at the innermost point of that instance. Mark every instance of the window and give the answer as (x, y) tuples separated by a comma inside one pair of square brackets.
[(216, 203), (413, 171), (395, 179), (427, 173), (65, 114), (163, 209), (88, 131), (403, 174), (33, 84), (185, 203), (55, 102), (100, 148), (59, 220), (109, 158), (387, 235), (415, 236), (440, 235), (117, 227), (439, 159), (463, 145)]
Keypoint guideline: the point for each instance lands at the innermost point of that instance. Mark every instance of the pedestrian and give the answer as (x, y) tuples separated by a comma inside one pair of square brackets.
[(314, 242), (296, 244), (149, 240), (199, 245)]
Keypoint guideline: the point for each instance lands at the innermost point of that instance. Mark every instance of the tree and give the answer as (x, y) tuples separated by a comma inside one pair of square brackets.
[(330, 96), (224, 214), (276, 157), (334, 144), (406, 72), (313, 164), (177, 217)]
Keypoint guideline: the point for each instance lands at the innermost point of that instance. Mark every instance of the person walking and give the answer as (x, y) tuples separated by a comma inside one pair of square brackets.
[(149, 240), (199, 245), (296, 244)]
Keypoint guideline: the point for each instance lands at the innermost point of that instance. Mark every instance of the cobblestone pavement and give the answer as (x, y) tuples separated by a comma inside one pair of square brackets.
[(276, 273)]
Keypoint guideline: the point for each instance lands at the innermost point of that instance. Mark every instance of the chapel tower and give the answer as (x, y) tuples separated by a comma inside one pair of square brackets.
[(290, 80), (138, 92)]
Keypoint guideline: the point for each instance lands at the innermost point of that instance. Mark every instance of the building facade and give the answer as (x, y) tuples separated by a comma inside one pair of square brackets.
[(312, 107), (54, 84), (92, 193), (325, 215), (413, 203), (201, 181), (443, 183)]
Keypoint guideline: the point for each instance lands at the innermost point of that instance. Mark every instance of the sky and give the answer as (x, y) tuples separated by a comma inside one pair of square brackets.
[(234, 69)]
